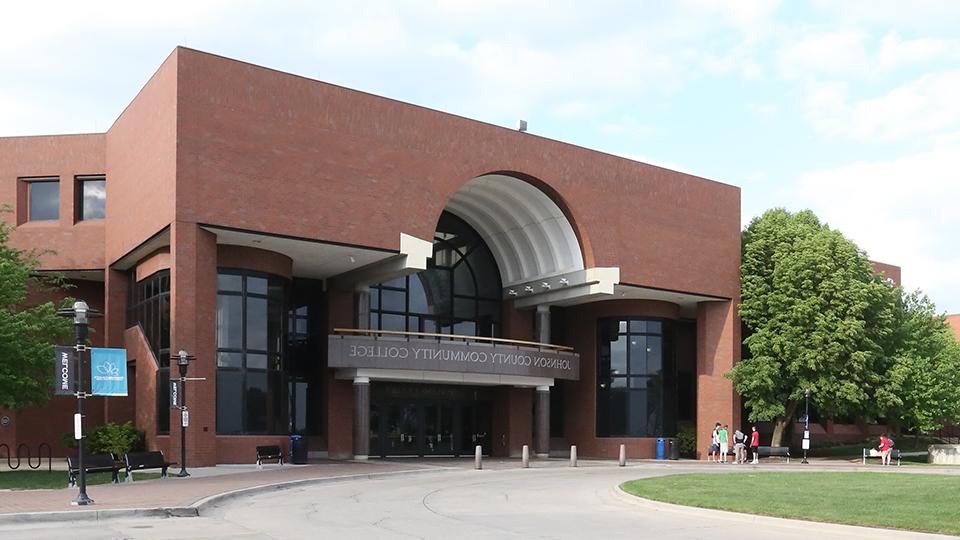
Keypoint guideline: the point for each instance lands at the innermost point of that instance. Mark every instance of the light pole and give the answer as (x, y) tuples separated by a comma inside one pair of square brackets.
[(183, 362), (81, 315), (806, 427)]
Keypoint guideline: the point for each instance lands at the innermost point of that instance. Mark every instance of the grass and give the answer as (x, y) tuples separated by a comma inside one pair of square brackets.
[(57, 479), (916, 502)]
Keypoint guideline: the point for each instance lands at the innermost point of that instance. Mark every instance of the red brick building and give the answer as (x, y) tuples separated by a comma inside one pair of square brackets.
[(954, 322), (309, 243)]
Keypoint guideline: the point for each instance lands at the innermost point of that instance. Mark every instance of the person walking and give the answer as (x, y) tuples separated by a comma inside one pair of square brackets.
[(724, 444), (754, 444), (713, 453), (739, 447)]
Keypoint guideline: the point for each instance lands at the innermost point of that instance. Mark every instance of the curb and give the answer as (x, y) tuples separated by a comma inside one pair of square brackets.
[(828, 530), (202, 505)]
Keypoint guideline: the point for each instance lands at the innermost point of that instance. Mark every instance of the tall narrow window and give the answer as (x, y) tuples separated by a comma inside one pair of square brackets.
[(636, 378), (44, 199), (91, 197), (149, 306)]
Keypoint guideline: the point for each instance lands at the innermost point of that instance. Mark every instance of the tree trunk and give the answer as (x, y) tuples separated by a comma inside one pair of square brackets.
[(781, 423)]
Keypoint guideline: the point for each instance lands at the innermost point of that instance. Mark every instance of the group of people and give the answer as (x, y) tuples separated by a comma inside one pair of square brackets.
[(720, 446)]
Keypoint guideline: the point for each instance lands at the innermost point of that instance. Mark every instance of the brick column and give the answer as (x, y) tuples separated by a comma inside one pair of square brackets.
[(718, 349), (193, 326), (115, 292)]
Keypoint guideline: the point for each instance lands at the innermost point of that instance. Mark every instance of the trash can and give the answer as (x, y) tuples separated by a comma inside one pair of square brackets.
[(661, 448), (298, 449), (674, 452)]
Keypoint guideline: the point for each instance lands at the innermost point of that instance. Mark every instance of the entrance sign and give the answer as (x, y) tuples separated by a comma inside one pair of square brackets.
[(63, 373), (431, 355), (108, 372)]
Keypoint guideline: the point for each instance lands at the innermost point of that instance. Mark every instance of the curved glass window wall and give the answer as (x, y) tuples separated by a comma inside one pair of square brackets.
[(459, 292), (251, 338)]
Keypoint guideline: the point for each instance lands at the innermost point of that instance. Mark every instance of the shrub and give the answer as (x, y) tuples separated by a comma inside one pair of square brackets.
[(687, 439), (117, 439)]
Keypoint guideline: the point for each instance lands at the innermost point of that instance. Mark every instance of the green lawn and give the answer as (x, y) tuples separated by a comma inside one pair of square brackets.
[(919, 502), (56, 479)]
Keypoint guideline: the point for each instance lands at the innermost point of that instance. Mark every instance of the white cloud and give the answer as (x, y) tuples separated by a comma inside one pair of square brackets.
[(831, 53), (901, 210), (922, 107)]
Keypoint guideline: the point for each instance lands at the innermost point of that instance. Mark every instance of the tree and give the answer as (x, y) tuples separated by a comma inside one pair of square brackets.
[(816, 317), (920, 389), (26, 332)]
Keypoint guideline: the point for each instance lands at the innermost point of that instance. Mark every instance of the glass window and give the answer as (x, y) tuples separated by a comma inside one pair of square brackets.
[(636, 378), (229, 283), (44, 200), (92, 198), (256, 316), (252, 334), (229, 321), (462, 265)]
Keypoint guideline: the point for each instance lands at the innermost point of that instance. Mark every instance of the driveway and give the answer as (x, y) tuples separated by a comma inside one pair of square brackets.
[(547, 502)]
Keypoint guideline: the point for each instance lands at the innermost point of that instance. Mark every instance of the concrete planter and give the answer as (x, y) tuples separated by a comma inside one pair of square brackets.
[(944, 454)]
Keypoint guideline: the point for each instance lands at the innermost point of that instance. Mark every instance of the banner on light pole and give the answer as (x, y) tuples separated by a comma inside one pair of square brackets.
[(63, 372), (108, 372)]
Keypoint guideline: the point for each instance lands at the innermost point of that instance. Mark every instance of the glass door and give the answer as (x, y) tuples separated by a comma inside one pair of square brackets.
[(438, 433), (401, 429)]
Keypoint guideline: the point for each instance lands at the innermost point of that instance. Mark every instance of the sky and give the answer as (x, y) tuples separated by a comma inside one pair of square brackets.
[(847, 108)]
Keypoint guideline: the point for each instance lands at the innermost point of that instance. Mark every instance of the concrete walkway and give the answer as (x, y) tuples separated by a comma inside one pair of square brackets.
[(181, 492)]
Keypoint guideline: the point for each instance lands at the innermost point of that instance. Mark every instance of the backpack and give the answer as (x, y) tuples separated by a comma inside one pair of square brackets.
[(890, 442), (739, 437)]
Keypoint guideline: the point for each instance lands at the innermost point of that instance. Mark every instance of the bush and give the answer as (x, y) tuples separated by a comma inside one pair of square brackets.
[(687, 439), (117, 439)]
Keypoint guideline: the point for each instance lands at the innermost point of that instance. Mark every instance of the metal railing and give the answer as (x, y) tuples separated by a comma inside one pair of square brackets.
[(517, 342), (30, 464)]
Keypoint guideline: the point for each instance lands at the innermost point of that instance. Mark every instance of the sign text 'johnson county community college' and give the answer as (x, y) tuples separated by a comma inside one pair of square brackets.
[(428, 355)]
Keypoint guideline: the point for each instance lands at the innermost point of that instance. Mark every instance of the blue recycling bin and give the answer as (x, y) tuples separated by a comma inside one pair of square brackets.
[(298, 449), (661, 448)]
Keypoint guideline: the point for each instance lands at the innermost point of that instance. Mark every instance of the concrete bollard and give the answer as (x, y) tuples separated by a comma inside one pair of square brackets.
[(478, 458), (623, 455), (525, 457), (573, 455)]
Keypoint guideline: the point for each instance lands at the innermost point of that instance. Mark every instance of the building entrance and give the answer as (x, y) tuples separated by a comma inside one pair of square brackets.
[(428, 420)]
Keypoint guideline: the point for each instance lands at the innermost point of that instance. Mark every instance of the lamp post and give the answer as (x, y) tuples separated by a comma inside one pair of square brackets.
[(806, 427), (183, 362), (81, 315)]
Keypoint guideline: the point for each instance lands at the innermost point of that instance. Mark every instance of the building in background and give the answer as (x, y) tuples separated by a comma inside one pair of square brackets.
[(382, 278)]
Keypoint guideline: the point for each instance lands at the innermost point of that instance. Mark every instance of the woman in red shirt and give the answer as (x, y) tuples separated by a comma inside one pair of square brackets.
[(885, 448), (754, 444)]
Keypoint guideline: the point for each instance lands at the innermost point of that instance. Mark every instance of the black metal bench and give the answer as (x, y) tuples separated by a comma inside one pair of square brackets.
[(774, 451), (139, 461), (873, 452), (92, 463), (268, 453)]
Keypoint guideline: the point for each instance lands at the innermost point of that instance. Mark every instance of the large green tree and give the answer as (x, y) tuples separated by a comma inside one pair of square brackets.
[(817, 317), (26, 331), (920, 388)]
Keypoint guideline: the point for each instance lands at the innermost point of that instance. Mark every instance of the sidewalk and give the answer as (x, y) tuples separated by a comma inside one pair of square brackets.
[(180, 492)]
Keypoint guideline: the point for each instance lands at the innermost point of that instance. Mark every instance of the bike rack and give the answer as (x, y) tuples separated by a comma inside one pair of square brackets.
[(30, 464)]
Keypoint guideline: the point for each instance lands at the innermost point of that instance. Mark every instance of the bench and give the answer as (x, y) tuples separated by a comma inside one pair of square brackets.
[(873, 452), (268, 453), (139, 461), (771, 451), (92, 463)]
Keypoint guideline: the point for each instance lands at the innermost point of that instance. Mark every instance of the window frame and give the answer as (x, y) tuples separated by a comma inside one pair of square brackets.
[(79, 197), (28, 197)]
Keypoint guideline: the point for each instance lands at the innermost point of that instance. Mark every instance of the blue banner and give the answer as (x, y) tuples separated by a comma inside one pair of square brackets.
[(108, 372)]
